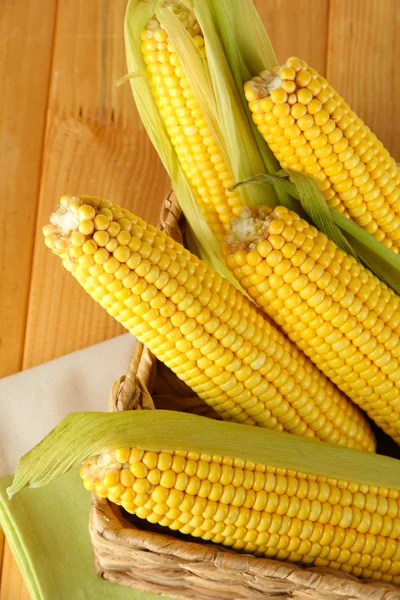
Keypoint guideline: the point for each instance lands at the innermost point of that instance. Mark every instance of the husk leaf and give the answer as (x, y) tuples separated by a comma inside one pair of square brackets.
[(80, 435), (249, 51), (245, 39), (244, 156)]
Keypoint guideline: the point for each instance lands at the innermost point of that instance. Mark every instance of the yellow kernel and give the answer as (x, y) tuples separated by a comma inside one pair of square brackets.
[(101, 222), (101, 238), (314, 106), (125, 224), (287, 73), (124, 237), (289, 87), (101, 256), (89, 247), (105, 210), (122, 455), (279, 96), (86, 212), (139, 470), (314, 86), (298, 110), (122, 253), (86, 227), (127, 478), (292, 132), (49, 229), (75, 205), (113, 229), (321, 118), (303, 78), (77, 239), (164, 461), (266, 105), (294, 63), (111, 478), (75, 252), (305, 122), (160, 495), (111, 265), (168, 479), (304, 96), (111, 245), (154, 476), (276, 241), (274, 258), (141, 487), (312, 133)]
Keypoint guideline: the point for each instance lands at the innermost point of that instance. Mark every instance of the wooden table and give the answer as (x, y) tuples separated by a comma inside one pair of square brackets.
[(67, 128)]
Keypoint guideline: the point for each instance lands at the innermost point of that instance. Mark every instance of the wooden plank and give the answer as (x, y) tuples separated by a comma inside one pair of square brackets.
[(25, 60), (95, 144), (12, 585), (2, 546), (364, 48), (297, 28)]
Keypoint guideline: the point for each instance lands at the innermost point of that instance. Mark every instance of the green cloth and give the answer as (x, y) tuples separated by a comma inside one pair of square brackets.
[(47, 530)]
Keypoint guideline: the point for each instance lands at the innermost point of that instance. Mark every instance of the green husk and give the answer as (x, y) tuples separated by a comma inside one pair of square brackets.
[(384, 263), (246, 42), (314, 204), (249, 51), (242, 150), (80, 435), (138, 14), (348, 236)]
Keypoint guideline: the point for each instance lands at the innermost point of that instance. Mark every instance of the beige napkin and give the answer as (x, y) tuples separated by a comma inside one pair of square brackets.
[(34, 401)]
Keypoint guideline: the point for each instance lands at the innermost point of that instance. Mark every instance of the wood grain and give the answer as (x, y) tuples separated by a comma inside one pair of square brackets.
[(25, 63), (12, 585), (363, 55), (23, 102), (2, 547), (297, 28), (95, 144)]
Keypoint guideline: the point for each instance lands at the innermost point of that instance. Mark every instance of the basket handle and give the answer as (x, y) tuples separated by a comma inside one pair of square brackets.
[(130, 391)]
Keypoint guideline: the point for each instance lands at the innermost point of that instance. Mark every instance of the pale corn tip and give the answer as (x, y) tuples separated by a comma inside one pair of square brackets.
[(72, 224)]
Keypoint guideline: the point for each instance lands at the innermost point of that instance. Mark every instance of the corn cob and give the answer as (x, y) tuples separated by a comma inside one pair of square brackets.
[(196, 147), (199, 325), (311, 129), (271, 512), (335, 310)]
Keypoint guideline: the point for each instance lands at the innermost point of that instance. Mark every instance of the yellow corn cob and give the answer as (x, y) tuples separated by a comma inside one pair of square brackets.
[(197, 149), (199, 325), (342, 317), (251, 507), (311, 129)]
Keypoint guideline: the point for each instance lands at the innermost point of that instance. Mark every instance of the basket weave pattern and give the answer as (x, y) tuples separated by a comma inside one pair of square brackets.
[(133, 553)]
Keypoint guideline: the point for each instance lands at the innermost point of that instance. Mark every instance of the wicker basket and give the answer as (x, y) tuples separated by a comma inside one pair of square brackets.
[(134, 553)]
